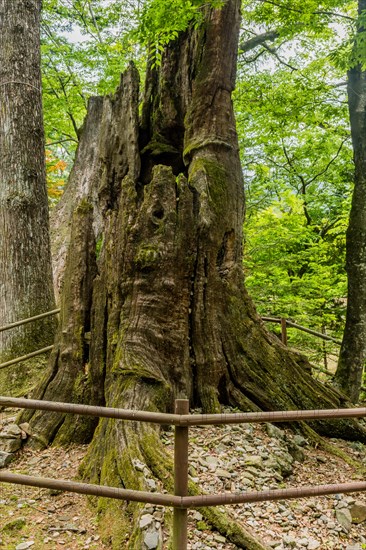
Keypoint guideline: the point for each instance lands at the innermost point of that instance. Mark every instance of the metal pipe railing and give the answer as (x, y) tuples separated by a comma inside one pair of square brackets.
[(181, 501), (30, 319), (25, 357), (33, 353), (182, 419), (282, 321)]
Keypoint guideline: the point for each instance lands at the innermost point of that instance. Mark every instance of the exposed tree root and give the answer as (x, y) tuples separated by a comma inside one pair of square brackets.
[(331, 448)]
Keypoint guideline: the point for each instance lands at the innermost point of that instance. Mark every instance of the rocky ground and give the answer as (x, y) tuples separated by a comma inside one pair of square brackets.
[(222, 458)]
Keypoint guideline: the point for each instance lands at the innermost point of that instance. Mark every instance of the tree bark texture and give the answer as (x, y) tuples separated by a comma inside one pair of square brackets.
[(348, 377), (157, 309), (26, 287), (82, 185)]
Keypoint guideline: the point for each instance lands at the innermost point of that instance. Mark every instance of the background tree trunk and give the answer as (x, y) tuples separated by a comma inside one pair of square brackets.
[(348, 377), (25, 261), (166, 315)]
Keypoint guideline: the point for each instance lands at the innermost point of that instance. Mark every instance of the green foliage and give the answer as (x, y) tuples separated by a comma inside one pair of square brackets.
[(161, 21), (297, 161), (295, 272), (85, 47)]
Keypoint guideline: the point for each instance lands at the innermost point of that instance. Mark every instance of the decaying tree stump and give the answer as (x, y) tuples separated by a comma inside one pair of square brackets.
[(154, 305)]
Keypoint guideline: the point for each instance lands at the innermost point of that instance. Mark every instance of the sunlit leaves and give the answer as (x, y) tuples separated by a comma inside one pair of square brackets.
[(297, 159), (162, 20), (56, 173), (85, 46)]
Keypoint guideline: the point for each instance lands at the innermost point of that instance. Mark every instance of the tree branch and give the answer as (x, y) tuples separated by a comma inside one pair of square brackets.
[(254, 57), (317, 12), (258, 40), (329, 163), (304, 185), (334, 14), (274, 52), (61, 141)]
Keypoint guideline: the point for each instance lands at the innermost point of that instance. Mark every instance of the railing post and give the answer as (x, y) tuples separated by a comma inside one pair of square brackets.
[(180, 477), (283, 331)]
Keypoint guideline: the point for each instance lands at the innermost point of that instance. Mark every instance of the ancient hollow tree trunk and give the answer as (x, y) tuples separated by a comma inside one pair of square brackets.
[(154, 305), (25, 261), (352, 357)]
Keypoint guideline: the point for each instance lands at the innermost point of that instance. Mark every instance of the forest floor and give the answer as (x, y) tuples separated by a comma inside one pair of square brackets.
[(222, 458)]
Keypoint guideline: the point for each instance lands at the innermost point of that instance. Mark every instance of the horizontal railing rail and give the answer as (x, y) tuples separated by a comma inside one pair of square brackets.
[(280, 320), (184, 502), (25, 357), (286, 323), (33, 353), (181, 501), (183, 420), (30, 319)]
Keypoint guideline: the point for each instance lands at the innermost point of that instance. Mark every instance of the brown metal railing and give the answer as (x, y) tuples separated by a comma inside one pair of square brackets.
[(23, 322), (280, 320), (180, 501), (30, 319), (286, 323)]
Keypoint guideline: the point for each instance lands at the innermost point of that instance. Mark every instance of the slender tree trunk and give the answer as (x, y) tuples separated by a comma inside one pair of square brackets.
[(348, 377), (159, 309), (25, 262)]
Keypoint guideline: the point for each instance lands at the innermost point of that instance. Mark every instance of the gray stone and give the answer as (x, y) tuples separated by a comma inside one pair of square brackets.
[(5, 459), (313, 544), (274, 431), (358, 512), (285, 461), (223, 473), (151, 540), (296, 452), (146, 520), (218, 538), (354, 547), (299, 440), (72, 527), (324, 518), (151, 483), (138, 465), (344, 518), (289, 541), (10, 445), (25, 427), (11, 430), (254, 461), (248, 475), (24, 545)]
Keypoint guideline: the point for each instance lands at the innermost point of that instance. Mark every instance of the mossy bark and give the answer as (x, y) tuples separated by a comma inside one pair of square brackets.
[(163, 296), (67, 377)]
